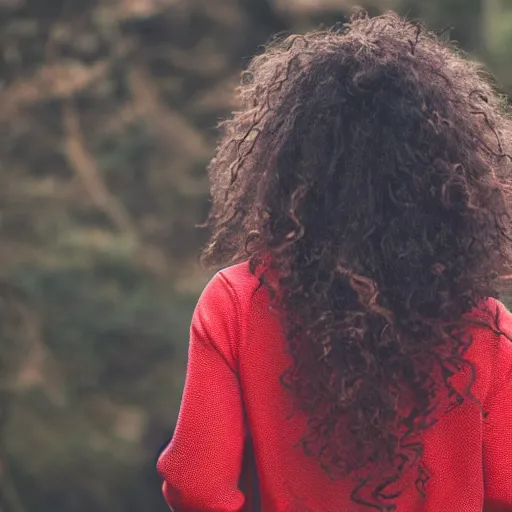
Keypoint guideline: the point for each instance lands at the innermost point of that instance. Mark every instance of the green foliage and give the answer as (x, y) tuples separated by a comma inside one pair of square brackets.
[(106, 117)]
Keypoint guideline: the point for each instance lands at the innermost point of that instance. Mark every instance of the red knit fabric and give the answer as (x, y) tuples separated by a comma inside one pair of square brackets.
[(236, 356)]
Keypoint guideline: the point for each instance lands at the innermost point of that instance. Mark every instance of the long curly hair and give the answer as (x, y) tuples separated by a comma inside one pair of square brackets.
[(367, 172)]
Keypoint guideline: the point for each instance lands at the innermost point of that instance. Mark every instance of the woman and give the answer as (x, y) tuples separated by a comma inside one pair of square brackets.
[(362, 196)]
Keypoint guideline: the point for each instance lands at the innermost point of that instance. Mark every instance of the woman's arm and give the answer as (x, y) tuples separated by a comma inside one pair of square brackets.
[(497, 449), (201, 466)]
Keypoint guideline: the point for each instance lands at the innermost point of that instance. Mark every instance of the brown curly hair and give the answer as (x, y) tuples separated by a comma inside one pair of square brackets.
[(368, 170)]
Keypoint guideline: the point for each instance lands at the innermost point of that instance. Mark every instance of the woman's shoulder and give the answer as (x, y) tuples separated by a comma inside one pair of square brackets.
[(239, 278), (503, 333), (491, 320), (490, 351), (230, 291)]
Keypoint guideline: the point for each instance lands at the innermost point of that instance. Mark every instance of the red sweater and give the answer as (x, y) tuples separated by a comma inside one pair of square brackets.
[(232, 391)]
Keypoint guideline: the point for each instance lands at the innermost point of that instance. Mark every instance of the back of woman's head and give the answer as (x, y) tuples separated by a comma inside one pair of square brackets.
[(368, 169)]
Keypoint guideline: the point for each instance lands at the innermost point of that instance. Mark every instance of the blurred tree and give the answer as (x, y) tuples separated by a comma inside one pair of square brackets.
[(103, 107), (106, 117)]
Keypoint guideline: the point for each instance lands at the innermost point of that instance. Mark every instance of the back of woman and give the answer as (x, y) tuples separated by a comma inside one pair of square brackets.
[(353, 348)]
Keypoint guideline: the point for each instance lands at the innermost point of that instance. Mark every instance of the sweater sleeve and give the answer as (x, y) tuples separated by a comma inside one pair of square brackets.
[(497, 449), (201, 466)]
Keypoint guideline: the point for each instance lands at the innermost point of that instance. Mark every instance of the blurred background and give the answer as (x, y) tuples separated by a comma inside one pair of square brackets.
[(107, 117)]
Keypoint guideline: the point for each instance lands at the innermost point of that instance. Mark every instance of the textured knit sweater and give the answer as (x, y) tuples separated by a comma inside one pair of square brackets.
[(233, 395)]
